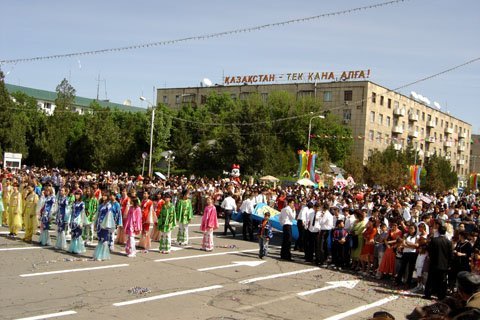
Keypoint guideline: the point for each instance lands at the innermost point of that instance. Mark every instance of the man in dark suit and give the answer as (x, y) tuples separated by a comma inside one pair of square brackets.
[(440, 252)]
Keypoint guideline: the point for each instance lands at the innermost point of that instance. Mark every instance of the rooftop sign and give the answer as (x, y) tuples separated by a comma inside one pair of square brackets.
[(313, 76)]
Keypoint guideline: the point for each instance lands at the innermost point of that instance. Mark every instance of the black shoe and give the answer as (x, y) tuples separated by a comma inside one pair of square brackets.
[(427, 297)]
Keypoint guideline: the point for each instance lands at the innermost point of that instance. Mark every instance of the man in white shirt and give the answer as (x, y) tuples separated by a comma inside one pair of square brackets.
[(326, 225), (312, 244), (287, 215), (228, 205), (247, 209), (301, 220)]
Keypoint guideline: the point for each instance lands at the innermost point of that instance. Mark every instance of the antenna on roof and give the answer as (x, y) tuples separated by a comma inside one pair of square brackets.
[(127, 102), (207, 82)]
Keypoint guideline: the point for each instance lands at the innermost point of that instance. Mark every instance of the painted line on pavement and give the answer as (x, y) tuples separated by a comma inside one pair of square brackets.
[(23, 248), (362, 308), (278, 275), (22, 232), (205, 255), (172, 248), (73, 270), (233, 223), (51, 315), (166, 295)]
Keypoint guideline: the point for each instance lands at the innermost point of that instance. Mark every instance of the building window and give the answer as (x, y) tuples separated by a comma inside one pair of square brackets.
[(379, 137), (403, 125), (370, 135), (233, 96), (177, 99), (327, 96), (441, 136), (372, 117), (388, 121), (436, 121), (380, 119), (387, 138), (203, 99), (389, 103), (396, 104), (441, 123), (374, 97), (244, 95), (456, 128), (423, 116), (347, 114), (422, 132), (381, 100), (165, 99), (348, 95), (429, 117), (305, 94)]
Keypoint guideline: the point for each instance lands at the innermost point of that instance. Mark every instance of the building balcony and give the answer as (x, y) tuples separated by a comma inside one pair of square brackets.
[(399, 112), (461, 162), (413, 117), (431, 124), (449, 130), (397, 146), (430, 139), (413, 134), (428, 154), (448, 158), (462, 135), (397, 129), (448, 144), (461, 148)]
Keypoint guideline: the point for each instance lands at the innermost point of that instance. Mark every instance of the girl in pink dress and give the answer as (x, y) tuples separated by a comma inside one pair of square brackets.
[(209, 223), (132, 226)]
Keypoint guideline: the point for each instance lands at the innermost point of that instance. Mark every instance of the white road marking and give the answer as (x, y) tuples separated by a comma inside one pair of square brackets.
[(235, 264), (278, 275), (232, 223), (362, 308), (205, 255), (73, 270), (349, 284), (167, 295), (22, 232), (22, 248), (51, 315), (171, 248)]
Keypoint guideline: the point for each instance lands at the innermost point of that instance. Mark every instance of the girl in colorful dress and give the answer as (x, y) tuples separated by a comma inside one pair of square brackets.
[(104, 224), (45, 216), (2, 208), (132, 226), (91, 208), (7, 191), (209, 223), (387, 265), (15, 211), (166, 223), (62, 218), (147, 220), (184, 216), (76, 224), (366, 255), (356, 233), (124, 207), (117, 218), (30, 214), (155, 236)]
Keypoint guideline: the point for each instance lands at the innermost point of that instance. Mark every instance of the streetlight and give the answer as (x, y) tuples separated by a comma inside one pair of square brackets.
[(169, 158), (310, 128), (151, 135)]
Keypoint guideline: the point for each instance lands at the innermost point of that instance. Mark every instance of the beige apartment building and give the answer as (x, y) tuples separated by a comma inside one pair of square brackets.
[(377, 116)]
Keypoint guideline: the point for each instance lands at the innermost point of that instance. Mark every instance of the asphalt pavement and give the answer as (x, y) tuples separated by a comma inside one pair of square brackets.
[(229, 283)]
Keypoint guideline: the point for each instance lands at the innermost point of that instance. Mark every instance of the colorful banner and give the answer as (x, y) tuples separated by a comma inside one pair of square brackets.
[(474, 181), (306, 167), (415, 172)]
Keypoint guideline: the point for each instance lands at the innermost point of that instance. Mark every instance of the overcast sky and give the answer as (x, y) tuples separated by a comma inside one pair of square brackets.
[(400, 43)]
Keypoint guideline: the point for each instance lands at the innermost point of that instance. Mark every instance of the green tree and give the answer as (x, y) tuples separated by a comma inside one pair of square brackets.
[(354, 166), (388, 168), (440, 175)]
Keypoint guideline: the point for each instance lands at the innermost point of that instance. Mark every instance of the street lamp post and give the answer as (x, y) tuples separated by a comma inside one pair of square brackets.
[(169, 158), (310, 129), (151, 136)]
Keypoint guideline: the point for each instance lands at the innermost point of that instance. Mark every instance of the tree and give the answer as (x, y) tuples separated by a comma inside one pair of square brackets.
[(440, 175), (388, 168), (354, 166), (65, 96)]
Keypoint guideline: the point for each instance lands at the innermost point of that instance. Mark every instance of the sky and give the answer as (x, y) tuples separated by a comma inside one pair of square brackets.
[(399, 43)]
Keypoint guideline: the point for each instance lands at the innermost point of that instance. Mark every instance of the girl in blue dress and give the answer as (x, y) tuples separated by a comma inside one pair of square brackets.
[(76, 224), (46, 213), (62, 218), (105, 224)]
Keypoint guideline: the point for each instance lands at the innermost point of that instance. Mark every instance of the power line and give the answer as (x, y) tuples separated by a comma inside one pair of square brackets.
[(202, 37)]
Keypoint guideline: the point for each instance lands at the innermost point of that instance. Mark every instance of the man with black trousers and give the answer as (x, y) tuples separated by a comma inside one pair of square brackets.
[(312, 243), (287, 215), (440, 252), (228, 205)]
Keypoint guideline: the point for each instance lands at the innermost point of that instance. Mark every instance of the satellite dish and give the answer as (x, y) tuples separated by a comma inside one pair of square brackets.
[(419, 97), (437, 105), (427, 101), (414, 95), (127, 102), (207, 82)]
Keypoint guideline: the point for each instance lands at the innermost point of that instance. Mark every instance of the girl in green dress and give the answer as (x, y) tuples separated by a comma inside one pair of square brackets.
[(166, 223)]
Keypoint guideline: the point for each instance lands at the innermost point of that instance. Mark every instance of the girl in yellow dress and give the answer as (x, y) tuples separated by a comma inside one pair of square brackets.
[(30, 213), (15, 211)]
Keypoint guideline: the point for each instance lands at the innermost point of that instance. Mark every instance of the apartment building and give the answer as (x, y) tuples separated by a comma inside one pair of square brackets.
[(377, 116)]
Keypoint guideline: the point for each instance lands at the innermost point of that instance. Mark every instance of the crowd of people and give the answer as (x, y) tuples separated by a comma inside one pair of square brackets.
[(426, 243)]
